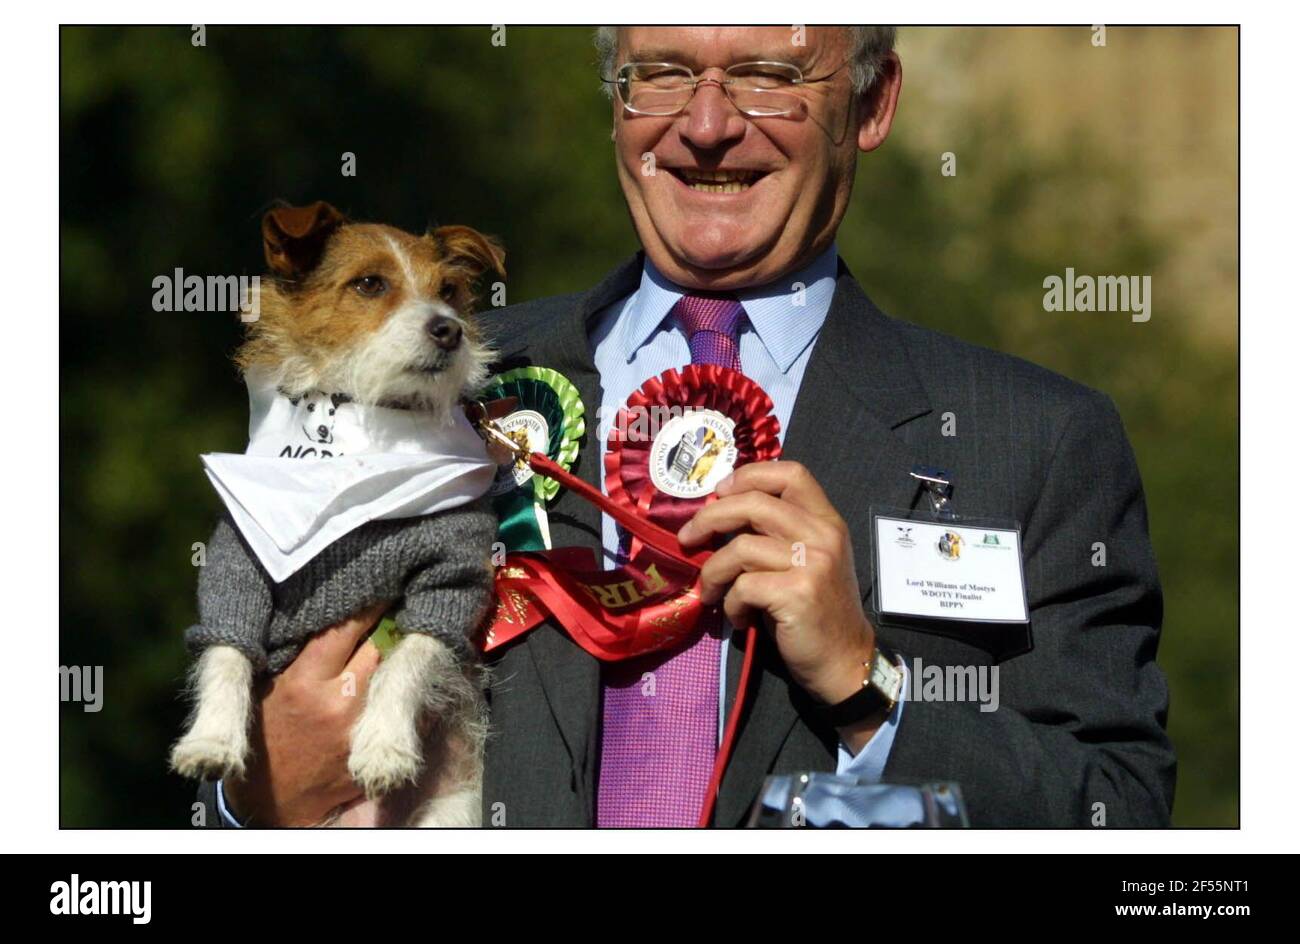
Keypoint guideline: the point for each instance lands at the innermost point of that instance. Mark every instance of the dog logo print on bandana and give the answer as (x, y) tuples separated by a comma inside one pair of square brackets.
[(314, 415)]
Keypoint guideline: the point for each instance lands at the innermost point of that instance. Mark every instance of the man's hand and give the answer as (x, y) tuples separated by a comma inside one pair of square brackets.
[(299, 769), (791, 565)]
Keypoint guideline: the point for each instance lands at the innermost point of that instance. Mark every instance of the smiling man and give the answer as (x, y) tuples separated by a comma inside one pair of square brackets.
[(736, 149)]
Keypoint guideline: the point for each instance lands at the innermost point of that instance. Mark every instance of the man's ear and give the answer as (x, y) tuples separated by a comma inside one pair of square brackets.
[(470, 250), (294, 237), (879, 103)]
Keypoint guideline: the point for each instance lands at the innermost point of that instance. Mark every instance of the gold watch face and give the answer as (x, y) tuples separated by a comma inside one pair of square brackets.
[(886, 677)]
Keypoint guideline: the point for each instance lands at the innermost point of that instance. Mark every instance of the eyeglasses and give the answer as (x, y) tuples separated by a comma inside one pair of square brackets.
[(759, 89)]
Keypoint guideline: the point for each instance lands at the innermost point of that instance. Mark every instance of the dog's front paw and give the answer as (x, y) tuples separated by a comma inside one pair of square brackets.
[(201, 756), (384, 755)]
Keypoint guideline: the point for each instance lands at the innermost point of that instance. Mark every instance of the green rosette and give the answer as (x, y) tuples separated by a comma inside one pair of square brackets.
[(548, 418)]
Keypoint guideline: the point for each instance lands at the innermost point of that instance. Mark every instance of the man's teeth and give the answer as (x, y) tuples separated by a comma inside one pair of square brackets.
[(719, 181)]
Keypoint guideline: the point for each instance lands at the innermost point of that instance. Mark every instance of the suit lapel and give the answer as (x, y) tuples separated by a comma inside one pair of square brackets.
[(857, 390)]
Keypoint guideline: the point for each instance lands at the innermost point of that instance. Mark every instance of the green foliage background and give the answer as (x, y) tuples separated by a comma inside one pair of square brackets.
[(169, 154)]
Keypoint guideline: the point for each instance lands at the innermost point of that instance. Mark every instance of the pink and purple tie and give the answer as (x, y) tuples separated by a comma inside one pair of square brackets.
[(659, 730)]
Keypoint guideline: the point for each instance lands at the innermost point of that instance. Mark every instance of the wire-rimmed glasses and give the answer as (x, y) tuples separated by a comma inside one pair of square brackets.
[(764, 89)]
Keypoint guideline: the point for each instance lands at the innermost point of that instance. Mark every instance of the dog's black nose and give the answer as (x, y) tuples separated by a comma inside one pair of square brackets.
[(322, 431), (444, 331)]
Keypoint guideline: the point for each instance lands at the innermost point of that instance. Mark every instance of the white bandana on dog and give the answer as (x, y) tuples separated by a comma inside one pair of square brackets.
[(320, 466)]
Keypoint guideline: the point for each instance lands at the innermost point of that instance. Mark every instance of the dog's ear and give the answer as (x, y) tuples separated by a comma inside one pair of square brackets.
[(470, 250), (339, 398), (294, 237)]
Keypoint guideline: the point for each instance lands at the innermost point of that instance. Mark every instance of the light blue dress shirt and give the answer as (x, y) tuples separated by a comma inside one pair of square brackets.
[(634, 340)]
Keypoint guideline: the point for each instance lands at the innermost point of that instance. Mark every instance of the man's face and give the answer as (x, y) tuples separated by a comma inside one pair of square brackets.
[(804, 162)]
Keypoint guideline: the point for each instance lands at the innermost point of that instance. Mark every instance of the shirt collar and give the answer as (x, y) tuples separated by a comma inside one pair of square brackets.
[(785, 320)]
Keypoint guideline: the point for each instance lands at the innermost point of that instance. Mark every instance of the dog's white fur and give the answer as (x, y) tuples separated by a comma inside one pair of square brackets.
[(217, 739), (434, 774), (422, 679), (387, 749), (392, 364)]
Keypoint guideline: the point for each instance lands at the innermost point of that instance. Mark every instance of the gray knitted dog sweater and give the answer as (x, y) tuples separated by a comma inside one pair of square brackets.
[(436, 569)]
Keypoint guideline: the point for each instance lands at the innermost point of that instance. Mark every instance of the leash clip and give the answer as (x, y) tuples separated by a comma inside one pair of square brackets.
[(491, 432)]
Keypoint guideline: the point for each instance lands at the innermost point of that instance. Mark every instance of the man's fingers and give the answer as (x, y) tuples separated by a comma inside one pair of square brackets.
[(327, 653), (362, 665), (743, 553), (751, 595), (747, 511), (789, 481)]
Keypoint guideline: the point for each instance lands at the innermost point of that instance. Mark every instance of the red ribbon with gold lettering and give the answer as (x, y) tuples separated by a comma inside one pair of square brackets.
[(612, 614)]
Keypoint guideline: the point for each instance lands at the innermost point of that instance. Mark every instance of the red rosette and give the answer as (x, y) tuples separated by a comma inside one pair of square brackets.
[(674, 393)]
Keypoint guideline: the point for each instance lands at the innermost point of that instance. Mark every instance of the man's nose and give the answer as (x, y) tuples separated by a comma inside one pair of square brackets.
[(444, 331), (710, 119)]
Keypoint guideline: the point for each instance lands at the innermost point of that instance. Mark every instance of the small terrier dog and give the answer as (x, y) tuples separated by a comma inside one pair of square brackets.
[(374, 315)]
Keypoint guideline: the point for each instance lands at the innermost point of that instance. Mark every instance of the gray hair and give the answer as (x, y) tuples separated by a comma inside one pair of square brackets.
[(868, 45)]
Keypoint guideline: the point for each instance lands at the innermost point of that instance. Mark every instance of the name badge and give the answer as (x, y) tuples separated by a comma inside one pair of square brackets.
[(949, 574), (942, 570)]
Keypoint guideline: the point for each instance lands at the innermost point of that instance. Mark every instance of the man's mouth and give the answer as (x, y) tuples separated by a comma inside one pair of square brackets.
[(717, 181)]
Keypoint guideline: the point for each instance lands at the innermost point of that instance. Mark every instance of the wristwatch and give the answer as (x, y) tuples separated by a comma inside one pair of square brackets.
[(882, 686)]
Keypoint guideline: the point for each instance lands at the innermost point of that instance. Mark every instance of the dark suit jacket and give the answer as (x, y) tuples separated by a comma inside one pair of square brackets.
[(1082, 714)]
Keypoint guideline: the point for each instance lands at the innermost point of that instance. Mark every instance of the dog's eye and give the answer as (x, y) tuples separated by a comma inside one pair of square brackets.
[(448, 291), (370, 285), (311, 408)]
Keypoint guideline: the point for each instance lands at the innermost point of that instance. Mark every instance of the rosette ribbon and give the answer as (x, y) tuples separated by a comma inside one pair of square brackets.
[(635, 441), (653, 602), (548, 418)]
